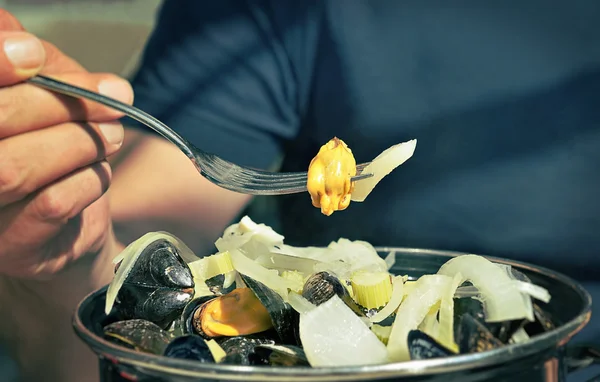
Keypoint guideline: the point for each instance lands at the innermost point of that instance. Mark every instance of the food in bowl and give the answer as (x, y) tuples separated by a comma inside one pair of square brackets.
[(259, 301)]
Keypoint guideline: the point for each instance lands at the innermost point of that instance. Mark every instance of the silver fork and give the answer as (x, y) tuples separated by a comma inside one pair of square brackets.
[(223, 173)]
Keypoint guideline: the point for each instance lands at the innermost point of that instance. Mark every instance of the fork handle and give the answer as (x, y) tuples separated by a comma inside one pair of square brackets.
[(130, 111)]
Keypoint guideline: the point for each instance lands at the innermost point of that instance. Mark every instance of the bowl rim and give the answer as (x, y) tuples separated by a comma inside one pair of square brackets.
[(186, 368)]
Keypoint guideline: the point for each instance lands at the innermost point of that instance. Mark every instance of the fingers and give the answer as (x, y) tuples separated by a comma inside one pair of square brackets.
[(22, 56), (28, 225), (9, 22), (26, 107), (66, 198), (32, 160)]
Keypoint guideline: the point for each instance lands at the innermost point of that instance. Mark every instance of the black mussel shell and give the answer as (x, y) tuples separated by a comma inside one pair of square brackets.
[(322, 286), (216, 284), (240, 350), (473, 336), (423, 346), (285, 319), (140, 335), (185, 323), (280, 355), (503, 331), (543, 322), (158, 286), (189, 347)]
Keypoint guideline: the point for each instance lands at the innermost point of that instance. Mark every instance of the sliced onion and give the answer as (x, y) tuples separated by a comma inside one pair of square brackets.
[(395, 300), (535, 291), (390, 259), (129, 256), (445, 334), (287, 262), (428, 290), (430, 325), (501, 298), (333, 335), (299, 303), (254, 238), (520, 335), (269, 277), (381, 166)]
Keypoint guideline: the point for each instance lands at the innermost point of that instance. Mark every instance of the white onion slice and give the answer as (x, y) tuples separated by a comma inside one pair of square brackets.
[(381, 166), (501, 298), (299, 303), (395, 300), (428, 290), (269, 277), (445, 333), (254, 238), (519, 336), (535, 291), (333, 335), (390, 259), (130, 255)]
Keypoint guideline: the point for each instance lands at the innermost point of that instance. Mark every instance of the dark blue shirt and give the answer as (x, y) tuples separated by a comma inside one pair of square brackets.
[(503, 97)]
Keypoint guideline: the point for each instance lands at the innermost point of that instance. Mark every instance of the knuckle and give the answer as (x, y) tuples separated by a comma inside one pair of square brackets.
[(13, 180), (53, 206)]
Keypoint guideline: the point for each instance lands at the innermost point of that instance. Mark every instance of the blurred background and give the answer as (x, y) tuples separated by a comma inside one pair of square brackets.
[(117, 29)]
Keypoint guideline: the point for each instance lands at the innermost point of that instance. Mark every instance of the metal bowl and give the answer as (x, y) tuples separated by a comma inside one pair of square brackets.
[(543, 358)]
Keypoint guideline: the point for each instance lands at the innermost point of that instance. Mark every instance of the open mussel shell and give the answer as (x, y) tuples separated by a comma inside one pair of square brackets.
[(473, 336), (153, 282), (240, 350), (223, 283), (185, 323), (502, 331), (140, 335), (279, 355), (423, 346), (284, 318), (191, 347), (322, 286), (544, 322)]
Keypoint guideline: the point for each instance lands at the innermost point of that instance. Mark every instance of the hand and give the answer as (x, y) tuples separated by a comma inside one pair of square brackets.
[(53, 173)]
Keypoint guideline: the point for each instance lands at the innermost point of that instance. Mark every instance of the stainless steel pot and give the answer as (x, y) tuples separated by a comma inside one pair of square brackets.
[(543, 358)]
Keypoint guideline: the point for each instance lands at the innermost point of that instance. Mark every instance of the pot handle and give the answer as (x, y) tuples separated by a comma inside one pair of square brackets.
[(582, 356)]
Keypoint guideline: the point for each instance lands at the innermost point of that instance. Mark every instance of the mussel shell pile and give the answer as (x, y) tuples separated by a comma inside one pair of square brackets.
[(241, 321)]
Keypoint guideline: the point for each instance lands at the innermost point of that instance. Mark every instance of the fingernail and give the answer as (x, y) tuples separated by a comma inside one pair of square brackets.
[(112, 132), (24, 51), (118, 89)]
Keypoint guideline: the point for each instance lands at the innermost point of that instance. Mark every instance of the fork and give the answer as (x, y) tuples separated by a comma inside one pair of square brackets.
[(223, 173)]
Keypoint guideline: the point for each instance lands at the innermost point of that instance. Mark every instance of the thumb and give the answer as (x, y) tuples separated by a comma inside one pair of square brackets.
[(22, 56)]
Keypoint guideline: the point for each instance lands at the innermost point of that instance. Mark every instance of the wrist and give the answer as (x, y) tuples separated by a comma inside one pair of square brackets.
[(70, 285)]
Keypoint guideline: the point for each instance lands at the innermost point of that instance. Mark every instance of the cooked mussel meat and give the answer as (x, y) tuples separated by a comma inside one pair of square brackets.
[(321, 286), (140, 335), (473, 336), (279, 355), (191, 347), (153, 282), (236, 313), (423, 346)]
